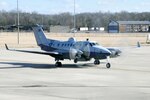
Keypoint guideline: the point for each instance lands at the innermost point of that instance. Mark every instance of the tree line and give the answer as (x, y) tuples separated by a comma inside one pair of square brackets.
[(97, 19)]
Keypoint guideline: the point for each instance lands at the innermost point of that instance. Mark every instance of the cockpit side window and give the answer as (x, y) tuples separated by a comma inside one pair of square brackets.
[(86, 44), (91, 44)]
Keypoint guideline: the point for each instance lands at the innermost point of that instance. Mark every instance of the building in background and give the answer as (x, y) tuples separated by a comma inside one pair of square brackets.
[(59, 29), (113, 27), (128, 26)]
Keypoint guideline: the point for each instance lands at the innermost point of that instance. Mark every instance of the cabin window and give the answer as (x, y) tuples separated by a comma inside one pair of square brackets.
[(50, 44), (93, 44), (73, 45)]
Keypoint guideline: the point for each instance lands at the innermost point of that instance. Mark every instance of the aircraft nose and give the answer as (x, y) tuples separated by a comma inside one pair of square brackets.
[(107, 52)]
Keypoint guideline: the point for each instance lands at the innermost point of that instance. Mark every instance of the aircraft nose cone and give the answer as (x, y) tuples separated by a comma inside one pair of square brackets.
[(104, 51)]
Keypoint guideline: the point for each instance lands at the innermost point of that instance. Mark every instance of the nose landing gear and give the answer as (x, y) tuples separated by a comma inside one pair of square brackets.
[(108, 65), (97, 62)]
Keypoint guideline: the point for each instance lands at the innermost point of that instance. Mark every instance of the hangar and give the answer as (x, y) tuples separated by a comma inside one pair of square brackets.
[(128, 26)]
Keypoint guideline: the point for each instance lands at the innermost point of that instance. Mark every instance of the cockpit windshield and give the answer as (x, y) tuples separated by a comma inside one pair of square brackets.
[(93, 44)]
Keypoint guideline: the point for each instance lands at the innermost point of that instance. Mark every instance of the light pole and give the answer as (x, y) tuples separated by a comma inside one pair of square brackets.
[(74, 18), (18, 20)]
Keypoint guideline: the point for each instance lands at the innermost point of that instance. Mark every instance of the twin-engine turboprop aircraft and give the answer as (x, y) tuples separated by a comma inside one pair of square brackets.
[(71, 49)]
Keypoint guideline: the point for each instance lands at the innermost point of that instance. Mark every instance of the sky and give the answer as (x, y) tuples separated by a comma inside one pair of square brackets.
[(60, 6)]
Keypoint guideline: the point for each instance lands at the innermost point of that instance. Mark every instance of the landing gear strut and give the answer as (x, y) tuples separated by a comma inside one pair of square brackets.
[(108, 65), (96, 62), (58, 64)]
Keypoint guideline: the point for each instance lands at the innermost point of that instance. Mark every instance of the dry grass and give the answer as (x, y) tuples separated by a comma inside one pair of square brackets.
[(27, 40)]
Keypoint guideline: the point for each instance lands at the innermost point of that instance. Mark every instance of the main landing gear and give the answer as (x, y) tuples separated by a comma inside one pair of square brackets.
[(58, 64), (97, 62)]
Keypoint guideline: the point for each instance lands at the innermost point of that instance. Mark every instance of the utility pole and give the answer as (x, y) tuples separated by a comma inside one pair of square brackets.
[(18, 20), (42, 19), (74, 18)]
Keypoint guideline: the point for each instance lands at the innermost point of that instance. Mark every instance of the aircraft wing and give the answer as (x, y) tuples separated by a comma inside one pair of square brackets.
[(54, 54)]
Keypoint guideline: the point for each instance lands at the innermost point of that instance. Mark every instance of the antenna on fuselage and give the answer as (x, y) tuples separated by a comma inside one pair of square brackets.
[(87, 39)]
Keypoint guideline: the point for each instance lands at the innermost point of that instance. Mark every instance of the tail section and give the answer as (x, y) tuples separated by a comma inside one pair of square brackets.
[(39, 36)]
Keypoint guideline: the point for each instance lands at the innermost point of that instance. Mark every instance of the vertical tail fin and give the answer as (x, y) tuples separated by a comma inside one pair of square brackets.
[(39, 36)]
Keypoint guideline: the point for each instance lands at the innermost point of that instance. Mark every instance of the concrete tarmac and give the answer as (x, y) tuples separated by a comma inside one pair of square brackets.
[(26, 76)]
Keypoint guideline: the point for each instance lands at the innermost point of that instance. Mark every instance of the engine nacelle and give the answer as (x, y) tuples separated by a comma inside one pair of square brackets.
[(74, 53)]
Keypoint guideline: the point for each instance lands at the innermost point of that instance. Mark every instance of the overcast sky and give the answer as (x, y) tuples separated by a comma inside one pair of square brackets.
[(59, 6)]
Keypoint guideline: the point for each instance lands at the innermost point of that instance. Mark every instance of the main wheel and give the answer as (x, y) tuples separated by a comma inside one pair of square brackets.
[(58, 64), (96, 62), (75, 60), (108, 65)]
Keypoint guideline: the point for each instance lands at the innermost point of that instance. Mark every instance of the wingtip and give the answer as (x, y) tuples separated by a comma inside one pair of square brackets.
[(6, 47)]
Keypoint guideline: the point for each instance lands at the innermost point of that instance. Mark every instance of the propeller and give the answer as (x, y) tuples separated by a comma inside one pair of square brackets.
[(80, 50), (86, 51)]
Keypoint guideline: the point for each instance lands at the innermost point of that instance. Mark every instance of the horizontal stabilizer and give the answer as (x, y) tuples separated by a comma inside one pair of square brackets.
[(35, 52)]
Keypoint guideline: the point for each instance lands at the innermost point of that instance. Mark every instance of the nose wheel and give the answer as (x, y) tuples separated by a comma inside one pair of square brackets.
[(58, 64), (108, 65)]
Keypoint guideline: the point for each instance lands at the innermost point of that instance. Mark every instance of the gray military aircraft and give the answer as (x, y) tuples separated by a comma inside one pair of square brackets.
[(71, 49)]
